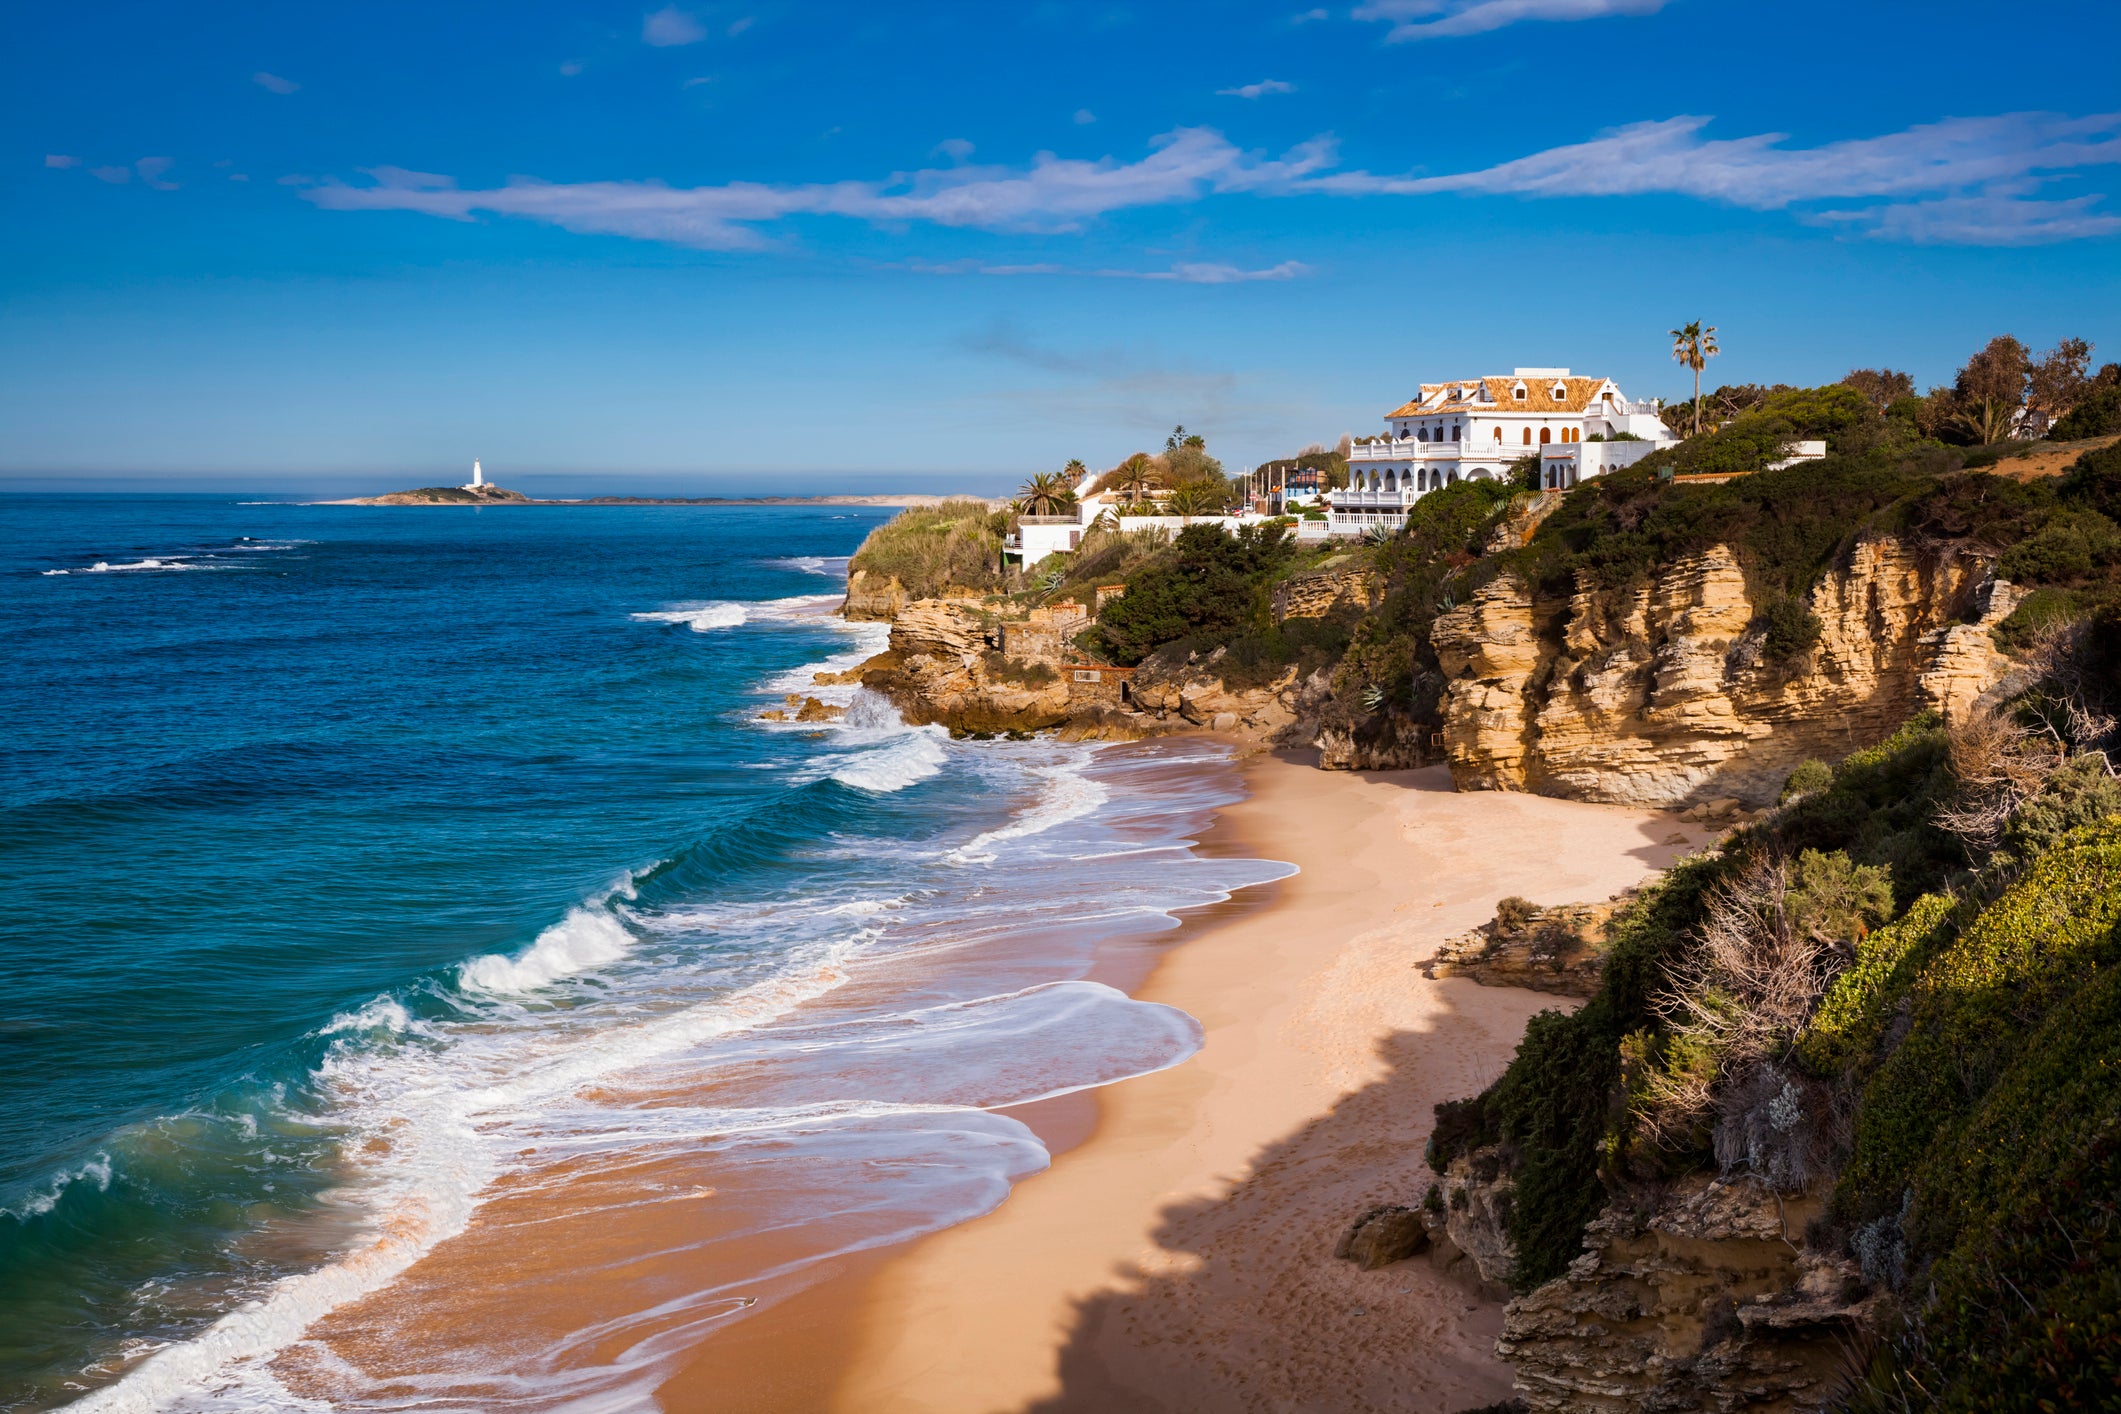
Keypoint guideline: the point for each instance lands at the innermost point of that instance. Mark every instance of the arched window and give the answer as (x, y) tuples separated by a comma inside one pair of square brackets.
[(1391, 481), (1421, 478), (1454, 431), (1545, 436), (1454, 478), (1421, 434), (1498, 434), (1528, 436)]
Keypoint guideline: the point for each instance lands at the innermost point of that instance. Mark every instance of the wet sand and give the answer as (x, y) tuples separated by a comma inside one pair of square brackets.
[(1179, 1257)]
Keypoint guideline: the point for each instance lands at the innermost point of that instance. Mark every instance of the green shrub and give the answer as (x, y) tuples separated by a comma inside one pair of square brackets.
[(2094, 480), (2097, 414), (1791, 629), (1210, 587), (929, 548), (1809, 777)]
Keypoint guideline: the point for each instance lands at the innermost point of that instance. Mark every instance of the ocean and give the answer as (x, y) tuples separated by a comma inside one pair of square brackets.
[(402, 898)]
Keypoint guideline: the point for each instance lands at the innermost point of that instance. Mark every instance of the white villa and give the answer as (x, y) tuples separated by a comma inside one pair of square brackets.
[(1474, 428)]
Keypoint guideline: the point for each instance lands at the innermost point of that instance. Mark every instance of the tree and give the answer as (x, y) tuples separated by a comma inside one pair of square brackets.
[(1882, 386), (1199, 498), (2097, 413), (1694, 346), (1210, 586), (1133, 477), (1177, 439), (2055, 383), (1988, 394), (1074, 472), (1046, 494)]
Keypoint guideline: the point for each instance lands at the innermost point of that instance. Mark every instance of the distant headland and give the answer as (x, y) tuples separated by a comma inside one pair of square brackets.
[(489, 495)]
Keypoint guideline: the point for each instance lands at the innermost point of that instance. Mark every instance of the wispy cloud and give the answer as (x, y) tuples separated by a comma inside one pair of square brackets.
[(1444, 19), (273, 83), (1969, 175), (1964, 180), (671, 26), (1257, 90), (56, 159), (1084, 117), (1184, 272), (116, 176), (151, 170), (1054, 194), (1308, 16)]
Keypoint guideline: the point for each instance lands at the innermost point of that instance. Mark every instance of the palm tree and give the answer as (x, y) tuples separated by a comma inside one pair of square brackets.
[(1198, 498), (1133, 476), (1694, 346), (1074, 472), (1045, 494)]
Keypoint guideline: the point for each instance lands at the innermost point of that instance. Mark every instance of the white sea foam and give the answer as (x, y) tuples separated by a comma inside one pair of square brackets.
[(429, 1124), (700, 618), (1068, 795), (96, 1170), (385, 1013), (585, 938)]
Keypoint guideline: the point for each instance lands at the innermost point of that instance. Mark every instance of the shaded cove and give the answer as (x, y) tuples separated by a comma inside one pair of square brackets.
[(398, 897)]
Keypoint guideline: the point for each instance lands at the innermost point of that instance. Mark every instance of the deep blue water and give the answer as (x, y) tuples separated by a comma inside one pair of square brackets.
[(312, 818)]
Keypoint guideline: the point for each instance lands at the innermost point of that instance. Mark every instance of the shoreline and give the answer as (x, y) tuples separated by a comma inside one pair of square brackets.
[(1178, 1255), (403, 499)]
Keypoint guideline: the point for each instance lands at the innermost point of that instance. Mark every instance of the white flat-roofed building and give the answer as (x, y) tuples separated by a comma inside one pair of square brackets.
[(1476, 427)]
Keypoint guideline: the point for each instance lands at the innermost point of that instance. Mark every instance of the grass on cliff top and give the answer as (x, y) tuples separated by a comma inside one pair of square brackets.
[(928, 549)]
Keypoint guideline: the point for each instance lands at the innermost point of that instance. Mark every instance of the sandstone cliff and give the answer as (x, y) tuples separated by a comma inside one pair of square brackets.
[(1664, 695), (1704, 1300)]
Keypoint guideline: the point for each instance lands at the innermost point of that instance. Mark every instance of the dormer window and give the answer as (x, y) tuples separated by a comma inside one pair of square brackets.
[(1518, 392), (1561, 392)]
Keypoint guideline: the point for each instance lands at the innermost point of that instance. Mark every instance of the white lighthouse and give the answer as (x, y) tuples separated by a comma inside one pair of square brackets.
[(478, 478)]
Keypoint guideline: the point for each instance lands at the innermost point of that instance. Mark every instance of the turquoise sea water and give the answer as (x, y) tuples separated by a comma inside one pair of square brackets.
[(345, 848)]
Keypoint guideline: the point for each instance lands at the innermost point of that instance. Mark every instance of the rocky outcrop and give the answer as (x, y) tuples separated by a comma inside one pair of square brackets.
[(1315, 595), (1559, 949), (1383, 1235), (872, 597), (1706, 1300), (941, 666), (1664, 695)]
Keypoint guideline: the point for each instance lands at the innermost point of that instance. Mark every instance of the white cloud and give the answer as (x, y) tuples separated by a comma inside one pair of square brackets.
[(1443, 19), (1986, 220), (1969, 180), (1308, 16), (151, 170), (737, 27), (696, 82), (55, 159), (671, 26), (571, 68), (1084, 117), (957, 149), (1053, 194), (116, 176), (1969, 175), (1257, 90), (273, 83)]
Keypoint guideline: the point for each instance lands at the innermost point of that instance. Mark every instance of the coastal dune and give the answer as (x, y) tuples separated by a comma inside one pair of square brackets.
[(1180, 1258)]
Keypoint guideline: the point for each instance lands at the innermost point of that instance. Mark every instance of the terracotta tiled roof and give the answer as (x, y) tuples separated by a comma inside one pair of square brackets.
[(1580, 393)]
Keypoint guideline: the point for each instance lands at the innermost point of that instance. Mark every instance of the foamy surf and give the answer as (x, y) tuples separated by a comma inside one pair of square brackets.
[(701, 619)]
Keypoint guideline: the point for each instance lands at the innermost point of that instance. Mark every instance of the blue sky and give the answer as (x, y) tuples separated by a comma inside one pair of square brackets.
[(837, 247)]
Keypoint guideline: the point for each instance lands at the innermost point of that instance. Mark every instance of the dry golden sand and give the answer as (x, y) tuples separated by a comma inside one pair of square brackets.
[(1180, 1258)]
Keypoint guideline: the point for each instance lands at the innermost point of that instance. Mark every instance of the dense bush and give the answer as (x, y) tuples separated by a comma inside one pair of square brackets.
[(929, 548), (1209, 588)]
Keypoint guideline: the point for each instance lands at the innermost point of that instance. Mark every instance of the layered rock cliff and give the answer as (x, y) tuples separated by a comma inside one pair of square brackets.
[(1665, 694)]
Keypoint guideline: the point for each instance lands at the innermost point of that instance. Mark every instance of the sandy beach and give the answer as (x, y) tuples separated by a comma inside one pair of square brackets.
[(1178, 1257)]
